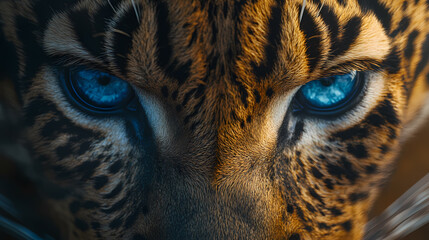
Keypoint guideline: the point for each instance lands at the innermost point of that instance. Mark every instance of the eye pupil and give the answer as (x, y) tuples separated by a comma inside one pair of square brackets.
[(104, 80), (326, 82)]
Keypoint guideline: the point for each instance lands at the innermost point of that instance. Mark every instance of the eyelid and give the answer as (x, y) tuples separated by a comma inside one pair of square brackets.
[(359, 65), (66, 61)]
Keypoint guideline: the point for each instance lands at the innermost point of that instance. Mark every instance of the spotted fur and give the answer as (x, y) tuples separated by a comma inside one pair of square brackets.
[(214, 150)]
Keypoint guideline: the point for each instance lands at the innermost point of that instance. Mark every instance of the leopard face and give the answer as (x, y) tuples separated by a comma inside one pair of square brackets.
[(207, 119)]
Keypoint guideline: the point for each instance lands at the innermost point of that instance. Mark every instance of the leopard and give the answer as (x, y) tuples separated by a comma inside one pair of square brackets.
[(204, 119)]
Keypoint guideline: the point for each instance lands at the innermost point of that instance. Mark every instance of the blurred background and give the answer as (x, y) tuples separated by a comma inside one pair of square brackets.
[(413, 164)]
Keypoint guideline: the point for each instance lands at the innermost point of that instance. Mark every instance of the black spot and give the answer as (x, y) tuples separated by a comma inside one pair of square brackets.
[(269, 92), (242, 124), (375, 120), (117, 206), (308, 228), (335, 211), (62, 172), (409, 48), (131, 219), (310, 207), (354, 132), (328, 183), (392, 62), (273, 42), (86, 169), (84, 147), (199, 91), (195, 110), (257, 96), (315, 195), (312, 38), (384, 149), (323, 226), (139, 237), (335, 170), (129, 24), (357, 150), (243, 95), (80, 224), (164, 91), (174, 95), (181, 72), (193, 38), (298, 160), (424, 57), (349, 172), (316, 173), (404, 6), (392, 133), (355, 197), (294, 236), (386, 110), (90, 205), (249, 119), (116, 223), (342, 2), (299, 213), (74, 207), (114, 192), (115, 167), (371, 169), (187, 97), (347, 225), (380, 11), (402, 26), (95, 225), (290, 209), (100, 181)]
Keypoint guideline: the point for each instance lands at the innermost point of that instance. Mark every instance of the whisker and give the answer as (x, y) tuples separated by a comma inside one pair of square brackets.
[(408, 213), (113, 8), (320, 9), (136, 10), (304, 2)]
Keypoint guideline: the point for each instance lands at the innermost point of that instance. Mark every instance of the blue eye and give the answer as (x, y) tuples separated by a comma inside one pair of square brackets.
[(327, 96), (98, 90)]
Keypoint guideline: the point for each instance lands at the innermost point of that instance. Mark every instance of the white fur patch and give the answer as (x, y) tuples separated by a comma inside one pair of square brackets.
[(157, 117)]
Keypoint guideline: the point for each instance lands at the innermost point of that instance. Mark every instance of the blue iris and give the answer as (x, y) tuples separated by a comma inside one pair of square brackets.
[(329, 92), (99, 89)]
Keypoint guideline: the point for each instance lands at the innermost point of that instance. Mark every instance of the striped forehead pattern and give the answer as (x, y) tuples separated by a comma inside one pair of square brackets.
[(236, 52)]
